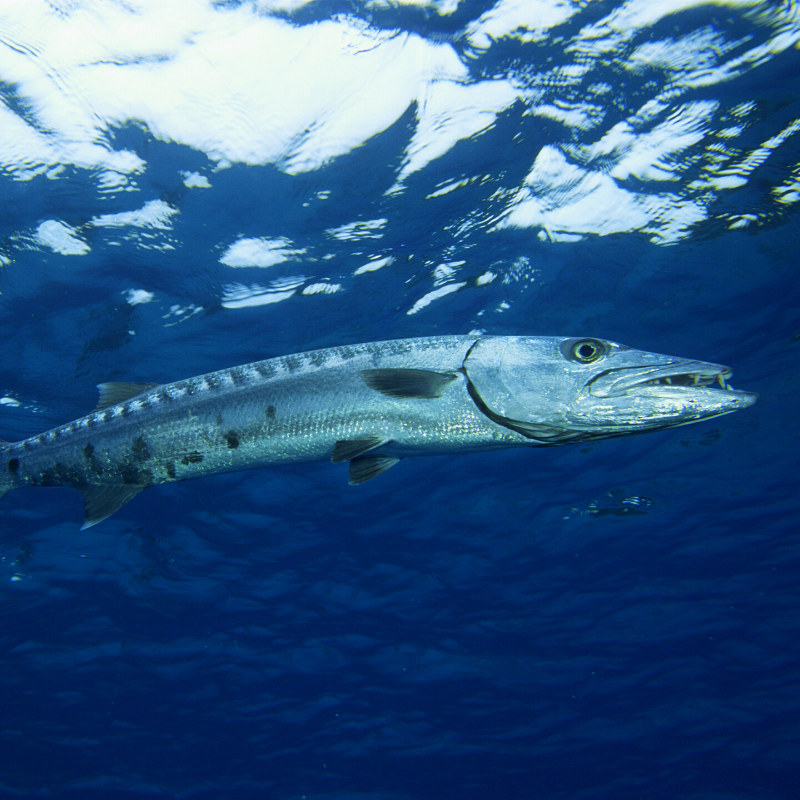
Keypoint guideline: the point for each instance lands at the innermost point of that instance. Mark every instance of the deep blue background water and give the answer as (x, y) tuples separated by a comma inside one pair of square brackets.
[(614, 620)]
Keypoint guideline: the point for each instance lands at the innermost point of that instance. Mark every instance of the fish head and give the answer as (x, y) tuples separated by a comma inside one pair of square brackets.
[(555, 390)]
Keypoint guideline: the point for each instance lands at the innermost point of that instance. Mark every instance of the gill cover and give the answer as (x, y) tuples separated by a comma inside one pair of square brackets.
[(523, 383)]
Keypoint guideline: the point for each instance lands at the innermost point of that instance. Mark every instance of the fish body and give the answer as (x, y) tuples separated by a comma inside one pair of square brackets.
[(369, 404)]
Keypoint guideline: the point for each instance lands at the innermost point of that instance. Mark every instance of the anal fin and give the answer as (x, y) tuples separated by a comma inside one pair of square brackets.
[(352, 448), (365, 468), (100, 502)]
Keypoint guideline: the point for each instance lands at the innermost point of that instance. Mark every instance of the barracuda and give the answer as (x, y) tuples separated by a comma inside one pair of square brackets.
[(370, 405)]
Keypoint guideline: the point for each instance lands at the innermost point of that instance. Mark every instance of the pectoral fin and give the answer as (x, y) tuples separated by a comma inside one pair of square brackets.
[(407, 384), (365, 468), (351, 448), (100, 502)]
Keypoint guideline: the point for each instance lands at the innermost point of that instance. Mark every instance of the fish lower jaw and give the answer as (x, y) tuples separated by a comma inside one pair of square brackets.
[(651, 406), (708, 397)]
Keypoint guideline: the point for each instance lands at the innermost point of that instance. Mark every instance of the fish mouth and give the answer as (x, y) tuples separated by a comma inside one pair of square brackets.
[(677, 378)]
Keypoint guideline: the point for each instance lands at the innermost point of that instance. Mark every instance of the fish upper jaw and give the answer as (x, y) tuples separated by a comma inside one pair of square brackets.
[(677, 374), (675, 393)]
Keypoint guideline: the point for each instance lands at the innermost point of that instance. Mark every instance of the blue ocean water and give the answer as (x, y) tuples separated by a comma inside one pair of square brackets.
[(599, 621)]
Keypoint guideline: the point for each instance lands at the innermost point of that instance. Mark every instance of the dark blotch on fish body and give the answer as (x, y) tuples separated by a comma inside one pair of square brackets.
[(13, 464), (232, 438), (169, 468), (140, 450), (133, 476), (265, 370), (270, 412), (59, 475), (130, 474), (94, 465), (294, 362), (192, 458), (50, 478)]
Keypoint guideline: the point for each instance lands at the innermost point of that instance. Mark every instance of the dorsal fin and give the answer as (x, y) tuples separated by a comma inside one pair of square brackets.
[(118, 392)]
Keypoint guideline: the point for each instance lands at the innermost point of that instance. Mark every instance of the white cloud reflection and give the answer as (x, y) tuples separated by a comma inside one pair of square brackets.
[(242, 84)]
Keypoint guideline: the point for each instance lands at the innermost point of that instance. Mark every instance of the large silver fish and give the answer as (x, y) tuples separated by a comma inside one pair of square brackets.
[(369, 404)]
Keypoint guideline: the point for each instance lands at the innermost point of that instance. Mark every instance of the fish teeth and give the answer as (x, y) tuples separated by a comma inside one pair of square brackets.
[(721, 380)]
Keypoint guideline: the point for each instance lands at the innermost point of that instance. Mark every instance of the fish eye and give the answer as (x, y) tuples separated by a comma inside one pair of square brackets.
[(586, 351)]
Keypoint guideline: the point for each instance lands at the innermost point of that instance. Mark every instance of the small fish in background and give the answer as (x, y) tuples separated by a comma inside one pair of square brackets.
[(370, 405), (614, 503)]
